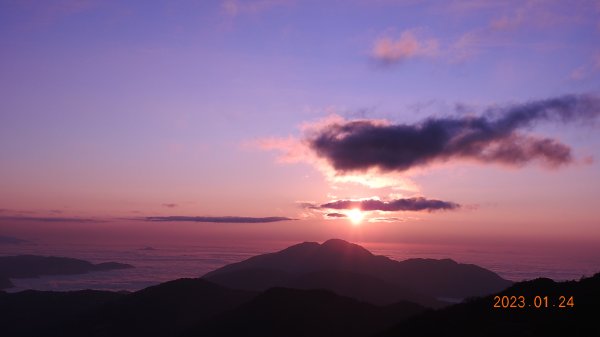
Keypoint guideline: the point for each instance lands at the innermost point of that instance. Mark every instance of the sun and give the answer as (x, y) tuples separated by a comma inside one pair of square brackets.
[(355, 216)]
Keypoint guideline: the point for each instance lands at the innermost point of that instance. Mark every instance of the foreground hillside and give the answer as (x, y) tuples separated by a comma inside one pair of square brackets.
[(555, 316), (196, 307)]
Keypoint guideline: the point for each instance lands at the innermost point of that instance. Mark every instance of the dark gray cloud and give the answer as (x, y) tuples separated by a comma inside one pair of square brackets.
[(169, 205), (336, 215), (497, 136), (391, 219), (218, 219), (308, 205), (408, 204)]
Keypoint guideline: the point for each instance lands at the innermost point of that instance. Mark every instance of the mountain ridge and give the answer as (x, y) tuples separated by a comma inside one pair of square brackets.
[(426, 277)]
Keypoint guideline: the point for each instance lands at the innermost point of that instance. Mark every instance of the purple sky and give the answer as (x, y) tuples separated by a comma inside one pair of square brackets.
[(133, 109)]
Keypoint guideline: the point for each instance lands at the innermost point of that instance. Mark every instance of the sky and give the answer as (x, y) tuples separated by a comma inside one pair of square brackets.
[(383, 120)]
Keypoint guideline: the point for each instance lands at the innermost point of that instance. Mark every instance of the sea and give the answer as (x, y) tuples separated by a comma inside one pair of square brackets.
[(157, 264)]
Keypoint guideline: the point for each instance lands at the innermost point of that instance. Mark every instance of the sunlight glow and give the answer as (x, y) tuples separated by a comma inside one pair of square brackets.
[(355, 216)]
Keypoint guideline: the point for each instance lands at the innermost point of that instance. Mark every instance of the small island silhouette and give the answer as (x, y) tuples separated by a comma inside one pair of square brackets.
[(148, 248), (29, 266)]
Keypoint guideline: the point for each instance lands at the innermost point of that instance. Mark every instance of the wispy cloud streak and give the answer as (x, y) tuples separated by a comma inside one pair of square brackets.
[(217, 219), (47, 219)]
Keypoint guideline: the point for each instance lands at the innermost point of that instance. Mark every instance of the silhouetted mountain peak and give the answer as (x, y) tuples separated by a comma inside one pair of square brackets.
[(339, 246), (301, 248), (337, 242), (329, 247), (430, 277)]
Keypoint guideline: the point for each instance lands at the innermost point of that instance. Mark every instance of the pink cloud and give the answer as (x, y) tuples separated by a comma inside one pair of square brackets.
[(292, 150), (297, 150), (388, 50)]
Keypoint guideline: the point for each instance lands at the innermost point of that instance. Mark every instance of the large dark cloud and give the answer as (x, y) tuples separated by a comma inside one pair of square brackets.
[(407, 204), (218, 219), (497, 136)]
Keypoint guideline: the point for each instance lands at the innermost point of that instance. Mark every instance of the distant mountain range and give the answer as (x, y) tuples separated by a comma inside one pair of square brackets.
[(27, 266), (311, 303)]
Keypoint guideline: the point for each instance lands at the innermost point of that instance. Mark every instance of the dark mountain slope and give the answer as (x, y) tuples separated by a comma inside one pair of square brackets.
[(5, 283), (163, 310), (37, 313), (478, 317), (292, 312), (257, 279), (362, 287)]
